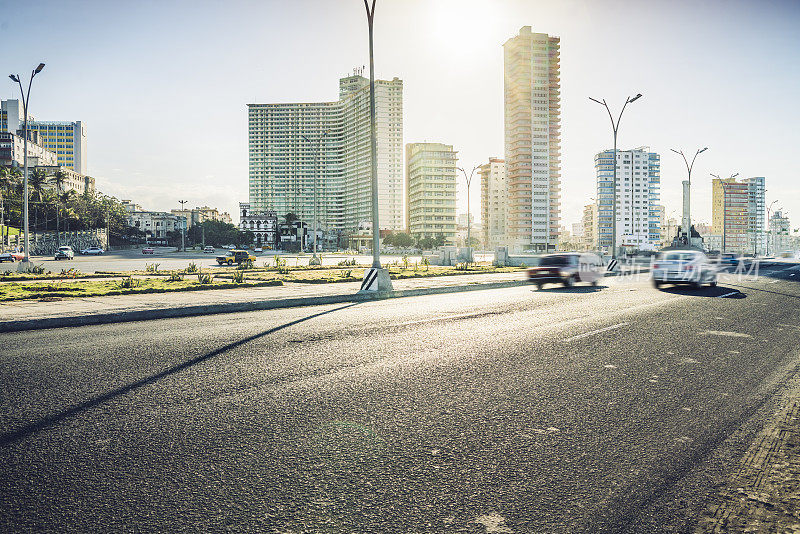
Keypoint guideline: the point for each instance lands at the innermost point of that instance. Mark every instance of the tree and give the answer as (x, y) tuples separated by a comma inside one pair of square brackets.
[(404, 240), (290, 218), (36, 182)]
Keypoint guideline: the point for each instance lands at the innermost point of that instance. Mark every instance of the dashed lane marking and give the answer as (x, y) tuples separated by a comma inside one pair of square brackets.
[(723, 333), (594, 332), (728, 294)]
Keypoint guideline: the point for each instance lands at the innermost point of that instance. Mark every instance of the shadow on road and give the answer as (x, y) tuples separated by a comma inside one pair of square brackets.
[(704, 291), (573, 289), (10, 437)]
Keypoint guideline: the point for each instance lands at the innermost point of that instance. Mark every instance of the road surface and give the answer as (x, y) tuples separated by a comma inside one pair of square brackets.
[(610, 409)]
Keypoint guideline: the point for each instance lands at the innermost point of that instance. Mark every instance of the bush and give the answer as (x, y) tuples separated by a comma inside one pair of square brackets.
[(151, 267), (204, 279), (192, 268), (347, 263), (70, 273), (175, 277), (128, 283), (35, 269), (246, 264), (238, 276), (426, 262), (346, 274)]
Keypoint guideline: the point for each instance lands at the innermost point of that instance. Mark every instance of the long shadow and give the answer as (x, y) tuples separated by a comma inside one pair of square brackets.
[(704, 291), (768, 291), (15, 435), (573, 289)]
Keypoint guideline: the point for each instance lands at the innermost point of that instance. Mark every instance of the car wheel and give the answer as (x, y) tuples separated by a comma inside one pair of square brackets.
[(713, 283), (539, 285), (656, 284), (569, 282), (594, 283), (695, 285)]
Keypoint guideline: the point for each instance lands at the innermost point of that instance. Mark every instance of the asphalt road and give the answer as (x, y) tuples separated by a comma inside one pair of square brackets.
[(609, 409)]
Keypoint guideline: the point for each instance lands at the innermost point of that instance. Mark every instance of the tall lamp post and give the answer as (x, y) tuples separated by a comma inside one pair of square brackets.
[(687, 194), (314, 259), (769, 230), (26, 97), (183, 226), (376, 278), (724, 205), (615, 130), (469, 222)]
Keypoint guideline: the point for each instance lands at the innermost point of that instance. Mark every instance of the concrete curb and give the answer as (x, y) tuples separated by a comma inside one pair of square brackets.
[(237, 307)]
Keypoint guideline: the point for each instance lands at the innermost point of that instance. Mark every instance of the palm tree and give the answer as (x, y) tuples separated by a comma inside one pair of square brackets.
[(5, 182), (58, 179), (67, 199), (36, 182)]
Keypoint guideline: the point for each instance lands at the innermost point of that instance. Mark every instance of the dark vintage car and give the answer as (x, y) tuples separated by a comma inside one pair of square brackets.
[(12, 256), (566, 268)]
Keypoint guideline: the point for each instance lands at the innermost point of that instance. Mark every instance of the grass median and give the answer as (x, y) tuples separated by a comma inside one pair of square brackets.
[(47, 287)]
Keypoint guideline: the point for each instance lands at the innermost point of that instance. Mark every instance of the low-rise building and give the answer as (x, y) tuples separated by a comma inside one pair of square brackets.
[(264, 226), (73, 181), (12, 151), (157, 225), (201, 214)]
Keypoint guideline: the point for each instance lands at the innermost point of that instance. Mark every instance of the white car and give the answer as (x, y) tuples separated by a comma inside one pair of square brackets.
[(92, 251), (258, 250), (208, 250), (684, 267)]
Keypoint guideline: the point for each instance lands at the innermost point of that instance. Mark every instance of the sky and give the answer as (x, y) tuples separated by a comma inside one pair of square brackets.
[(162, 86)]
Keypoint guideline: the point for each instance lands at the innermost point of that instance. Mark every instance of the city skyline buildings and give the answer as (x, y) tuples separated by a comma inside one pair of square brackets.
[(431, 191), (164, 42), (738, 213)]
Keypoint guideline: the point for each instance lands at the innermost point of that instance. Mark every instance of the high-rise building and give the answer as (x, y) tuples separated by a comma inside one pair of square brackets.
[(431, 191), (532, 139), (297, 148), (738, 214), (494, 195), (637, 198), (778, 233), (66, 139), (589, 223)]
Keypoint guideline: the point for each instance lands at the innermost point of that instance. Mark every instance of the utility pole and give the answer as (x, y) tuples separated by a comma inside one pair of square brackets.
[(615, 130), (26, 98), (183, 226)]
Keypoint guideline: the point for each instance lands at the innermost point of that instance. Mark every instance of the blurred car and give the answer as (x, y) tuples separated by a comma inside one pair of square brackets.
[(567, 269), (64, 253), (208, 250), (729, 258), (684, 267), (258, 250), (92, 251), (148, 250), (235, 256), (12, 256)]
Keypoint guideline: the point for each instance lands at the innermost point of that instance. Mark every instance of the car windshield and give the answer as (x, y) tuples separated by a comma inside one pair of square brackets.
[(556, 260)]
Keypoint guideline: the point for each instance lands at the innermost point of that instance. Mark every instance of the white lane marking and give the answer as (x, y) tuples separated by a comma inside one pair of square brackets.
[(609, 366), (684, 361), (728, 294), (442, 318), (593, 332), (789, 325), (723, 333), (493, 522)]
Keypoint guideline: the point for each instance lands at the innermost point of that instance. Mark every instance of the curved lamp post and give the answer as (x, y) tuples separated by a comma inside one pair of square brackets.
[(615, 130), (26, 97), (469, 223), (687, 200)]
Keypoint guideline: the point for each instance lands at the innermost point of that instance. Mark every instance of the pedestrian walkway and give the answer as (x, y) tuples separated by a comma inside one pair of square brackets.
[(77, 311)]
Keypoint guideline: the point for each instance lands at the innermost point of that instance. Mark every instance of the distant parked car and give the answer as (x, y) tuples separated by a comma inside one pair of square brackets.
[(684, 267), (208, 250), (567, 269), (148, 250), (235, 256), (729, 258), (92, 251), (12, 256), (258, 250), (64, 253)]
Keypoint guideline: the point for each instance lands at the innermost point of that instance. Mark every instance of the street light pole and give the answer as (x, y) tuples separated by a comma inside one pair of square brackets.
[(25, 101), (183, 226), (314, 259), (615, 130), (724, 205), (687, 201), (469, 222)]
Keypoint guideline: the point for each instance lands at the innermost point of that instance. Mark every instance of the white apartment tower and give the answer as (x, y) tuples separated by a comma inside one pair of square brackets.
[(297, 148), (494, 195), (431, 186), (532, 139), (637, 197)]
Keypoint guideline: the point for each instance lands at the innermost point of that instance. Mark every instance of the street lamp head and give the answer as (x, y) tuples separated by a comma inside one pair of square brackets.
[(702, 150), (595, 100), (14, 77), (39, 68), (677, 152), (635, 98), (734, 175)]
